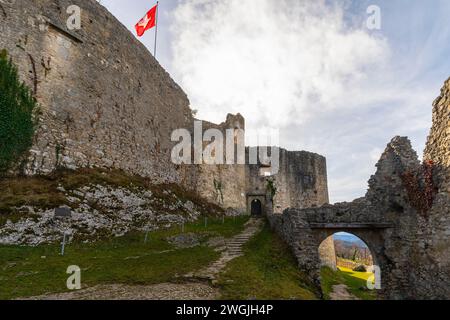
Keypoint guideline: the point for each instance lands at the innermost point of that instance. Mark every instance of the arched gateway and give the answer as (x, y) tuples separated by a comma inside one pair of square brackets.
[(256, 208), (393, 219)]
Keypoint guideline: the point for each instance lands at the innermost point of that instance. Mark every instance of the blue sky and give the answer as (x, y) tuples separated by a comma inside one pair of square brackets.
[(311, 69)]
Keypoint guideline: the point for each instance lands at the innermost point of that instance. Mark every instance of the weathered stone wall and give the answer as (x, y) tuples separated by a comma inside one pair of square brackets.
[(438, 145), (220, 184), (433, 247), (385, 223), (302, 181), (327, 253), (106, 101)]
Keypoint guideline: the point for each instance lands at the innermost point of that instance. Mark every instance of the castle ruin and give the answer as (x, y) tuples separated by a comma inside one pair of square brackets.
[(107, 103)]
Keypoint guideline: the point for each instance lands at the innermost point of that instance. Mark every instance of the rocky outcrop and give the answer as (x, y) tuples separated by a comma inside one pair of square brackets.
[(99, 211)]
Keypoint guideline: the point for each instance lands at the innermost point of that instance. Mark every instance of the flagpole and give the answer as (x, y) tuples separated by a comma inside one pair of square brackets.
[(156, 29)]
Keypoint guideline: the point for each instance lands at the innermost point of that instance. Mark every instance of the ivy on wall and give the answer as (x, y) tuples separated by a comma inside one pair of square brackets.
[(17, 115), (271, 188), (421, 188)]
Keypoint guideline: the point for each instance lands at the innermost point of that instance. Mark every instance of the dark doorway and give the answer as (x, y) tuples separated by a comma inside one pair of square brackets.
[(256, 208)]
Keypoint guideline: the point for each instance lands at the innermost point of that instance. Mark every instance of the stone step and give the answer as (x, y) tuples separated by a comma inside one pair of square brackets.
[(232, 250)]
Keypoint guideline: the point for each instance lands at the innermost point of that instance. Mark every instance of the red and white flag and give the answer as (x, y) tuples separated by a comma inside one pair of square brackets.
[(147, 22)]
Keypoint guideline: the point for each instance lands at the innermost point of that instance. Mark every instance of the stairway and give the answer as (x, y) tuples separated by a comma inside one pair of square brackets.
[(233, 250)]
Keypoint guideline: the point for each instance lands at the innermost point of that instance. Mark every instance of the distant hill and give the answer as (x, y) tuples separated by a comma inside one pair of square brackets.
[(349, 240)]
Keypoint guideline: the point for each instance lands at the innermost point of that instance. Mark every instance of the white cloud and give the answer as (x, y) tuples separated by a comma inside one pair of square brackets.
[(276, 62)]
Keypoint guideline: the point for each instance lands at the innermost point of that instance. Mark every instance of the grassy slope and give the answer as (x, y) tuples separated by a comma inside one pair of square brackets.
[(267, 271), (356, 283), (42, 192), (24, 271)]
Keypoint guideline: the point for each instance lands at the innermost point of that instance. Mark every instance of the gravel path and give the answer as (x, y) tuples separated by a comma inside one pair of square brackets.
[(163, 291), (340, 292)]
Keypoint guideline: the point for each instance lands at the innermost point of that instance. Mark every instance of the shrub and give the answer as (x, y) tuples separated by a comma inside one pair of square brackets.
[(360, 268), (17, 120)]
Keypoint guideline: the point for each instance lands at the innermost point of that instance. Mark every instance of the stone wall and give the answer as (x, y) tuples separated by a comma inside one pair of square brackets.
[(302, 181), (383, 220), (104, 104), (221, 184), (327, 253), (438, 145), (434, 229)]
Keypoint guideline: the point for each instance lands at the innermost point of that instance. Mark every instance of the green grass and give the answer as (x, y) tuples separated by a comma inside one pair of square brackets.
[(127, 260), (356, 283), (360, 275), (37, 191), (268, 270)]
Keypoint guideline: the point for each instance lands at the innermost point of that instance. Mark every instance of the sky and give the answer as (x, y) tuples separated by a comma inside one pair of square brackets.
[(311, 69)]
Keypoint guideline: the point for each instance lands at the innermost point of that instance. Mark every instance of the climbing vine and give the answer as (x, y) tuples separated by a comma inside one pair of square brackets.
[(17, 115), (420, 187), (271, 188)]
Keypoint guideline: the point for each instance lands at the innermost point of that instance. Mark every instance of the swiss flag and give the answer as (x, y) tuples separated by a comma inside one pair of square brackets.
[(147, 22)]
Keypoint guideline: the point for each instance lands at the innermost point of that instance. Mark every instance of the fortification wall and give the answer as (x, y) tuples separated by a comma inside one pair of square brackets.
[(438, 144), (104, 104), (109, 105), (223, 184), (434, 228), (302, 181), (327, 253)]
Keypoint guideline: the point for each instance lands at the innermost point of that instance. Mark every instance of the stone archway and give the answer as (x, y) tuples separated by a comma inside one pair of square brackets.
[(256, 205), (372, 237), (352, 265), (256, 208)]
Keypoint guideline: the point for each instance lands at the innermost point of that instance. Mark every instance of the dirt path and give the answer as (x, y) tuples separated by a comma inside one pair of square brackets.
[(163, 291), (190, 289), (340, 292)]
